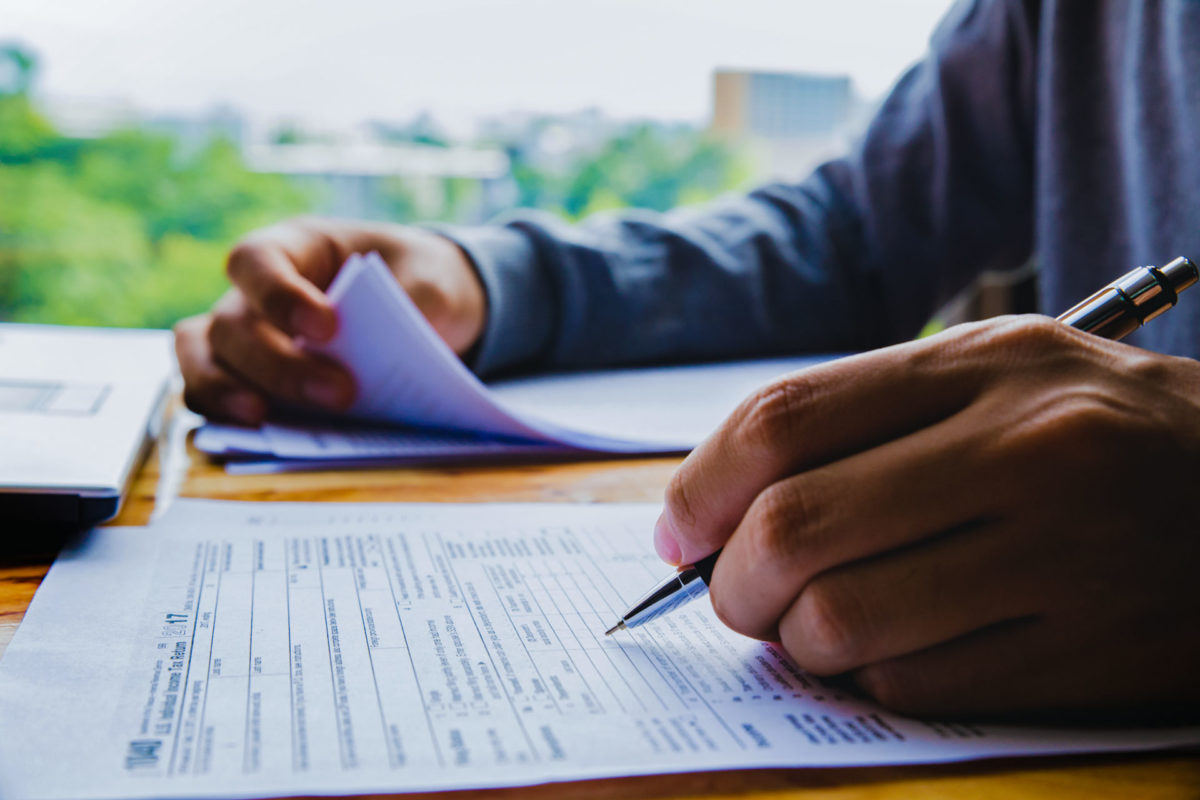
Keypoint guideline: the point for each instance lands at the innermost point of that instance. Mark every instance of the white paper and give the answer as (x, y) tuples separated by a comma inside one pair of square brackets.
[(683, 403), (327, 441), (324, 441), (219, 439), (285, 649), (293, 447), (407, 374)]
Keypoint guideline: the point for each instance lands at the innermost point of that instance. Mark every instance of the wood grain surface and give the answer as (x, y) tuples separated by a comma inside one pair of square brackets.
[(1153, 776)]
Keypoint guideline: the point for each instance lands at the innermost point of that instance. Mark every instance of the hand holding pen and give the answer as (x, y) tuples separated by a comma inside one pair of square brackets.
[(990, 519)]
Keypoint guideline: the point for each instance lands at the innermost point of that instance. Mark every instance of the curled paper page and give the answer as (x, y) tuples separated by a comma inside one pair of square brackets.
[(407, 374)]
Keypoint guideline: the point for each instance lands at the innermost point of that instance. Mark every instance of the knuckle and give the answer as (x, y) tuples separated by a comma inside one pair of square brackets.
[(680, 499), (725, 607), (1019, 338), (1027, 336), (186, 326), (830, 627), (1078, 421), (431, 300), (277, 301), (1153, 369), (241, 256), (312, 223), (312, 231), (188, 333), (1085, 417), (893, 688), (740, 606), (196, 397), (1034, 330), (782, 519), (223, 330), (769, 415)]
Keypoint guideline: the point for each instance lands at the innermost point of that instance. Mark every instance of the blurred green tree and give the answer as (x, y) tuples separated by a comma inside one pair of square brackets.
[(124, 229), (131, 228), (645, 166)]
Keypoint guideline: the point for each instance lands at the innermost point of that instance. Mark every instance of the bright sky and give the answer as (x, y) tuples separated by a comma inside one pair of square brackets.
[(341, 62)]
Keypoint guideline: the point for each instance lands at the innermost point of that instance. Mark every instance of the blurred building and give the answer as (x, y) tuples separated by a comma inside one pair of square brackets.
[(192, 132), (384, 180), (789, 121), (87, 119), (550, 141)]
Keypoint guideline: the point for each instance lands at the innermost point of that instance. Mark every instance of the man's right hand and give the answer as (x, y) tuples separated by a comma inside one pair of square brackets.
[(243, 356)]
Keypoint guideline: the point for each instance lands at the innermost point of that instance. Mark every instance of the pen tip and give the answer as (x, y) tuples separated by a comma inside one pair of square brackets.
[(619, 626)]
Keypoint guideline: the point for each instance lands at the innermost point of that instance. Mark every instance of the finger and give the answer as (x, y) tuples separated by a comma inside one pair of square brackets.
[(797, 422), (913, 599), (281, 271), (209, 389), (908, 489), (824, 413), (1013, 667), (265, 357), (1061, 661)]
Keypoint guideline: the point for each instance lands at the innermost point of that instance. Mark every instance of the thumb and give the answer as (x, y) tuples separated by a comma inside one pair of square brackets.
[(707, 496)]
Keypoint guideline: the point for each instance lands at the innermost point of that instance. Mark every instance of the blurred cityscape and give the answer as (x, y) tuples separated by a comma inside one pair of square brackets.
[(109, 215)]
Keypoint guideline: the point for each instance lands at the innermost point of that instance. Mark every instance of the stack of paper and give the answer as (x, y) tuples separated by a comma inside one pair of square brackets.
[(418, 402)]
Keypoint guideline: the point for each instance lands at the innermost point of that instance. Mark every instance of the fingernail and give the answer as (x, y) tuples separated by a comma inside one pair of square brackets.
[(325, 393), (665, 543), (313, 323), (244, 407)]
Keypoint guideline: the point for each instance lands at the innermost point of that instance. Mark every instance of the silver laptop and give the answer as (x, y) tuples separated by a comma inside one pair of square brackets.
[(79, 408)]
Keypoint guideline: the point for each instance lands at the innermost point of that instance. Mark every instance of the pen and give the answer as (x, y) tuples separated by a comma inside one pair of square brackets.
[(1114, 312)]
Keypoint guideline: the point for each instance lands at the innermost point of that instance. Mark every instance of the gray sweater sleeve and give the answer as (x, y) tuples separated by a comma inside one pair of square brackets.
[(858, 255)]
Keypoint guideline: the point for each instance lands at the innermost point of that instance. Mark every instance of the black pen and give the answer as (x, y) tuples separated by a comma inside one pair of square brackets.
[(1113, 312)]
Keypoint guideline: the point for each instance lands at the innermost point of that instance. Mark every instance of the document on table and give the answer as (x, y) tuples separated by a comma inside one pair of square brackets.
[(407, 376), (238, 650), (293, 446), (683, 402)]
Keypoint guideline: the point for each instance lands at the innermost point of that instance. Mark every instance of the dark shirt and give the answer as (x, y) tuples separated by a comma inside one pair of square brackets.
[(1065, 131)]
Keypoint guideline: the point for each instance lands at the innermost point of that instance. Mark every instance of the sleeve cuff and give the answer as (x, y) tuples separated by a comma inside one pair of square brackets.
[(519, 298)]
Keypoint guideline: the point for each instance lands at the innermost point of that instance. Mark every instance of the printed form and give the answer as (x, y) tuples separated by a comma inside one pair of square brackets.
[(241, 649)]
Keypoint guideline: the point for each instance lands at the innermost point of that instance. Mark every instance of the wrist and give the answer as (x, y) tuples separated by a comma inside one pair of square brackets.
[(437, 274), (467, 299), (519, 302)]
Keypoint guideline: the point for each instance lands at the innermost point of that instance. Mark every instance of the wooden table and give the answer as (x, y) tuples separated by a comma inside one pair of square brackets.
[(1125, 777)]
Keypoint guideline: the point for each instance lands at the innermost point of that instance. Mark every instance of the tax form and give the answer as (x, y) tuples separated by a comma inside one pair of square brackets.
[(263, 649)]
